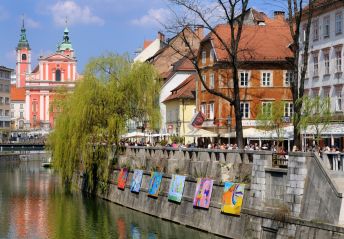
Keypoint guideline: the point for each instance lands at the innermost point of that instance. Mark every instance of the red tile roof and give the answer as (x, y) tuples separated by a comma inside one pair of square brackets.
[(184, 91), (258, 43), (183, 64), (17, 94), (146, 43)]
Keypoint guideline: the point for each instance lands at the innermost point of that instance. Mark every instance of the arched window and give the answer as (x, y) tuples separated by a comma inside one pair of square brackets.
[(58, 75), (23, 57)]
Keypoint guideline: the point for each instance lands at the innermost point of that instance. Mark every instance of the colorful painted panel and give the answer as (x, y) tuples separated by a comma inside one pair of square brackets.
[(175, 192), (202, 197), (136, 182), (122, 178), (154, 184), (233, 194)]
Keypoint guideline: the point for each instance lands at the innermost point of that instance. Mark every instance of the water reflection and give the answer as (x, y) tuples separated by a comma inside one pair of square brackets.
[(34, 205)]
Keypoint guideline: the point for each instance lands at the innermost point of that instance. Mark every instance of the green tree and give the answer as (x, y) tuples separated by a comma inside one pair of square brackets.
[(94, 116), (271, 118), (316, 113)]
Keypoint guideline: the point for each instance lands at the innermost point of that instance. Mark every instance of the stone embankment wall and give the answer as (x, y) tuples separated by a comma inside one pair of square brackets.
[(9, 156), (298, 201)]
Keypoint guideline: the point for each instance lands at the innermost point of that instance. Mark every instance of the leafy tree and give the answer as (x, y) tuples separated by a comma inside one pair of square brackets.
[(271, 118), (316, 112), (94, 116), (298, 14), (191, 14)]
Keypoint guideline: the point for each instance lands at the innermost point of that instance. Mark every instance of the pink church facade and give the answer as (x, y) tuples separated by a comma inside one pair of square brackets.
[(51, 73)]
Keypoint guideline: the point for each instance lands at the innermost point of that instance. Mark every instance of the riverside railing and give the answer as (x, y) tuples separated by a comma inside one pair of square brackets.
[(335, 161)]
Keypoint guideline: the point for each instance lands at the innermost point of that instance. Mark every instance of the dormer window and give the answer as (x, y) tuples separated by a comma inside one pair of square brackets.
[(204, 57)]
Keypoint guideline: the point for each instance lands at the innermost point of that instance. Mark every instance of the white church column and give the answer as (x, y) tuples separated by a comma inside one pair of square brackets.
[(47, 108), (29, 63), (27, 106), (41, 107), (74, 72), (41, 71), (46, 71), (68, 72)]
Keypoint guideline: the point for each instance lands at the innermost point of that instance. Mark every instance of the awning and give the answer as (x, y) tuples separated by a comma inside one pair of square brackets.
[(201, 133), (159, 135), (254, 133), (135, 135)]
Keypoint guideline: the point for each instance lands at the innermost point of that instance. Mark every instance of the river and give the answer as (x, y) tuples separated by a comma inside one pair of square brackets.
[(33, 204)]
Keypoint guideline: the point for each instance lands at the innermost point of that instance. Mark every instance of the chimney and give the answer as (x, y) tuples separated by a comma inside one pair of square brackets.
[(279, 15), (161, 36), (199, 31)]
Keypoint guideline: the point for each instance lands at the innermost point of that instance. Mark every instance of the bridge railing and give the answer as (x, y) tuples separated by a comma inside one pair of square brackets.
[(334, 161)]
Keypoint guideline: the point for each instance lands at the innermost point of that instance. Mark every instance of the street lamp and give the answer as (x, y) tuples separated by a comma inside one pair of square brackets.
[(229, 123)]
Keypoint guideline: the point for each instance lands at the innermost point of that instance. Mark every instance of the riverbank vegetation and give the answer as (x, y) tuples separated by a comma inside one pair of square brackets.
[(112, 92)]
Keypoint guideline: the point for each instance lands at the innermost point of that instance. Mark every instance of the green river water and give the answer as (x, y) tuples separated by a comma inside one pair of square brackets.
[(33, 204)]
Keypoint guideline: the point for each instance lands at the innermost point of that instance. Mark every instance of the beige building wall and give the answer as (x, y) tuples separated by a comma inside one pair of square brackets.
[(5, 83), (182, 110)]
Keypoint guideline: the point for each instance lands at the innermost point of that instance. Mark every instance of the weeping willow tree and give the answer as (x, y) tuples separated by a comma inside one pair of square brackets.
[(93, 117)]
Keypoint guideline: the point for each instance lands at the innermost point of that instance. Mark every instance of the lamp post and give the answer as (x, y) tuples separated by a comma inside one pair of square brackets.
[(229, 123)]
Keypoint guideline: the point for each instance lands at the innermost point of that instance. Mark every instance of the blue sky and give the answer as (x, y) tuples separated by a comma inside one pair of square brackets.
[(96, 26)]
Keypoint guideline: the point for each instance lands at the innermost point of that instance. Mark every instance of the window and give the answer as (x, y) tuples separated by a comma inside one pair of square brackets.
[(326, 26), (12, 114), (1, 112), (7, 113), (1, 87), (267, 108), (58, 75), (304, 28), (204, 108), (288, 78), (24, 57), (7, 88), (204, 78), (21, 114), (12, 106), (315, 30), (339, 60), (204, 57), (244, 78), (211, 79), (288, 109), (315, 65), (21, 106), (7, 100), (211, 55), (339, 23), (245, 110), (7, 124), (211, 110), (327, 63), (1, 100), (266, 79), (339, 102), (221, 82)]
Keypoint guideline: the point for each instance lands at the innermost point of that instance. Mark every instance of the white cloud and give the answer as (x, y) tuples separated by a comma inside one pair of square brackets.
[(75, 14), (3, 13), (30, 23), (153, 18)]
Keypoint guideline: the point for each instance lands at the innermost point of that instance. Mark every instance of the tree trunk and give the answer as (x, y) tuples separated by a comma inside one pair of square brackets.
[(296, 122)]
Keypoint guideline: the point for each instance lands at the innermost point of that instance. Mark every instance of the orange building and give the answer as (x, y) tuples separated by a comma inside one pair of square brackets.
[(52, 72), (263, 74)]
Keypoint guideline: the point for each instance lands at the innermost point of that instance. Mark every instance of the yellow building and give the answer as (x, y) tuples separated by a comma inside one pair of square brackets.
[(180, 108)]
